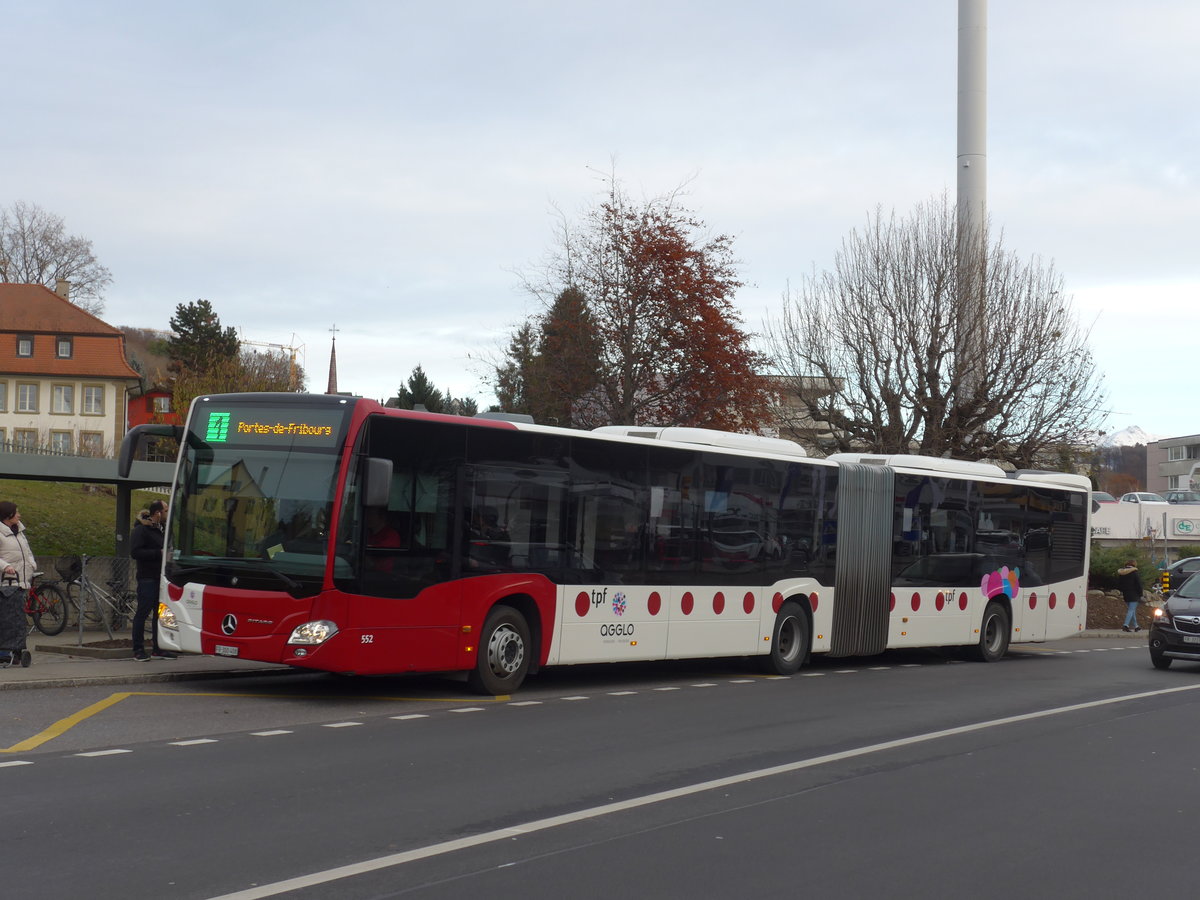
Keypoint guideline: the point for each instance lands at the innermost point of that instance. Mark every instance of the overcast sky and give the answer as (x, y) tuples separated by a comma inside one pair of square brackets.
[(389, 167)]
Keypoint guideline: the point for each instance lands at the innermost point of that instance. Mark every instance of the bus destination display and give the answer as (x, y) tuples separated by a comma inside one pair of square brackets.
[(267, 426)]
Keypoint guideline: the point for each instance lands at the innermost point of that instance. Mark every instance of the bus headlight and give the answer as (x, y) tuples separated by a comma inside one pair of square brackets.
[(313, 632), (166, 618)]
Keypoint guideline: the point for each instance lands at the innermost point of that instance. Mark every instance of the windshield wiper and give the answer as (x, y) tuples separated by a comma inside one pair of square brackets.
[(231, 565)]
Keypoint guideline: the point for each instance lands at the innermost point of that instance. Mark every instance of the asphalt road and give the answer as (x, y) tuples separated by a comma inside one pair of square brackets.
[(1055, 772)]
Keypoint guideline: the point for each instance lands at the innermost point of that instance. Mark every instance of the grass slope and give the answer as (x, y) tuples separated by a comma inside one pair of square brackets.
[(66, 518)]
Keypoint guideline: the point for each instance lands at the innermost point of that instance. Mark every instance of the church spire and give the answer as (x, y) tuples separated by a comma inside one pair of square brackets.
[(332, 387)]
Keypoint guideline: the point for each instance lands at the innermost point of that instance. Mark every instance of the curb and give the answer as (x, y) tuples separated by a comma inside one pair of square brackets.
[(148, 678), (86, 651)]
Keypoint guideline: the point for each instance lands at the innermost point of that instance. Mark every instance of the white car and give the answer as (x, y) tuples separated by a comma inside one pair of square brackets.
[(1143, 497)]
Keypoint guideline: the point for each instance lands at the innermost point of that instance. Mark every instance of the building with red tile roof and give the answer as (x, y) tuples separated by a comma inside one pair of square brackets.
[(64, 379)]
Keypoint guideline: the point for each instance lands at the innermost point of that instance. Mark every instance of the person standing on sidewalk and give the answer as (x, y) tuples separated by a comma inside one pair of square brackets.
[(1130, 583), (146, 546), (15, 556)]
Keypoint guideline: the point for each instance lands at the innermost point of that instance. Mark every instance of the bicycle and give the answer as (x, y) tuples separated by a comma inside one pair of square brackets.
[(111, 604), (46, 607)]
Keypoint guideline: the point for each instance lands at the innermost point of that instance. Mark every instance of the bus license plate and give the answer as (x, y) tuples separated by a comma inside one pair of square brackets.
[(224, 650)]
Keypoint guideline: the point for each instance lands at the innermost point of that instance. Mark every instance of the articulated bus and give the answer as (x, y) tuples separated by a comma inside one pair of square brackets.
[(332, 533)]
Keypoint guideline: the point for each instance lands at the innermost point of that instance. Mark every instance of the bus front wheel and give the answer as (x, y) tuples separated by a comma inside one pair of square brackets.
[(789, 641), (994, 634), (504, 649)]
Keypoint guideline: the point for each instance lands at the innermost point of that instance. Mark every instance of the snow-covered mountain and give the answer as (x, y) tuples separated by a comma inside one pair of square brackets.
[(1127, 437)]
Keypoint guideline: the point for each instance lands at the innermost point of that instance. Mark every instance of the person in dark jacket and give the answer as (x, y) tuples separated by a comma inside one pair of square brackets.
[(1130, 583), (146, 546)]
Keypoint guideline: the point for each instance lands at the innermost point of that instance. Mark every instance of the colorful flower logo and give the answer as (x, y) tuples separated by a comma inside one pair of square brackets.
[(1003, 581), (618, 604)]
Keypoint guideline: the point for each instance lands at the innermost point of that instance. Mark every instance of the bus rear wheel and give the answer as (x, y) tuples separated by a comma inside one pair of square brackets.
[(789, 641), (504, 650), (994, 634)]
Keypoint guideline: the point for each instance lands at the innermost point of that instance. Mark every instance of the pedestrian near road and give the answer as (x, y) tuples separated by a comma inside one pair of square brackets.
[(16, 568), (1130, 583), (146, 546), (17, 558)]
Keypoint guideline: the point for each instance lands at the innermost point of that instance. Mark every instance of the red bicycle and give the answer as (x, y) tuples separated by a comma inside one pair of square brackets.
[(46, 607)]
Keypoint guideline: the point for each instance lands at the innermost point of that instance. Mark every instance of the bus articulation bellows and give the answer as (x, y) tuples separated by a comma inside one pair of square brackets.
[(332, 533)]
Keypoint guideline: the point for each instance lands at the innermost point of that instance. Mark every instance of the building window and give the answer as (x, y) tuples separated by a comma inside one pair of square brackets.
[(24, 439), (1173, 482), (24, 345), (93, 400), (62, 399), (4, 438), (60, 441), (1176, 453), (27, 398), (162, 405), (63, 347), (91, 443), (3, 396)]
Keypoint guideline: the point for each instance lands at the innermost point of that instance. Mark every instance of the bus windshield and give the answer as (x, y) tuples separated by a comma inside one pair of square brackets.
[(254, 496)]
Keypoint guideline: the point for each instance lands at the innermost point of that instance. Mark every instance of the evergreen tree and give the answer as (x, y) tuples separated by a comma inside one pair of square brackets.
[(199, 342), (420, 391)]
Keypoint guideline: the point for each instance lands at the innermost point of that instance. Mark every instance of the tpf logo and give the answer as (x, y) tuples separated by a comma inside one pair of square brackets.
[(229, 623)]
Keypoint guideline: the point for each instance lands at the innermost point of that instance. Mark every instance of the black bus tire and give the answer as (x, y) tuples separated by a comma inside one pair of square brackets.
[(789, 641), (994, 634), (504, 653)]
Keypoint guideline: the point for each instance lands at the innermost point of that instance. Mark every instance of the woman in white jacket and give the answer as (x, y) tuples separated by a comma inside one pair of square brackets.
[(15, 555)]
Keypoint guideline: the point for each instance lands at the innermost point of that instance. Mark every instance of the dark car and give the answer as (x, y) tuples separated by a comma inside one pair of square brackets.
[(1175, 629), (1178, 572), (1189, 497)]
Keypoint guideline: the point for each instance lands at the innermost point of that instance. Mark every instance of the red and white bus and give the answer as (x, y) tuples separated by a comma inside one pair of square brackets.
[(332, 533)]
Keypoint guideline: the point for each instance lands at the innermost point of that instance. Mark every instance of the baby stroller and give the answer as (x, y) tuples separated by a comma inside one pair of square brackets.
[(12, 626)]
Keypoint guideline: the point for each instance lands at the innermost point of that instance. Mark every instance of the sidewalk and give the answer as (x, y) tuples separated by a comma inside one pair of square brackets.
[(54, 664)]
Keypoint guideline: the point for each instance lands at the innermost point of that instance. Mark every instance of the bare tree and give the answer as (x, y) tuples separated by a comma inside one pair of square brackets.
[(35, 249), (248, 370), (868, 350)]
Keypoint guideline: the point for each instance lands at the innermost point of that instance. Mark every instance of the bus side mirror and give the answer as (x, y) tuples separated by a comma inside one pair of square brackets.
[(132, 441), (377, 481)]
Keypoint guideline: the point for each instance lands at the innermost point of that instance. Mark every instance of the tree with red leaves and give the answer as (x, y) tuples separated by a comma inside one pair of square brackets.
[(640, 326)]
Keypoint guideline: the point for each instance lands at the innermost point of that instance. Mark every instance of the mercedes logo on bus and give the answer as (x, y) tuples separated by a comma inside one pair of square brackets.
[(229, 623)]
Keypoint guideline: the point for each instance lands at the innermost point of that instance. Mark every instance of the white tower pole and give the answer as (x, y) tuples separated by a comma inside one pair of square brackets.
[(972, 199)]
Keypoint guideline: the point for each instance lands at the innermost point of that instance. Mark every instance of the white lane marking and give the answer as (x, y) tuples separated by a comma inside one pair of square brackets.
[(812, 674), (879, 668), (706, 684), (526, 703), (193, 743), (845, 671), (463, 709), (575, 697), (742, 681), (16, 762), (341, 724), (489, 837), (621, 693), (411, 716), (103, 752), (270, 733), (667, 689)]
